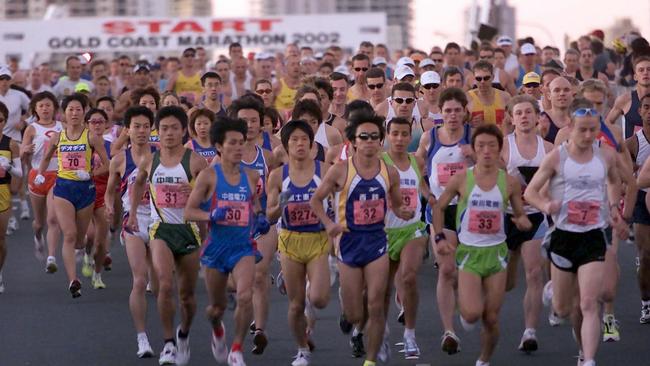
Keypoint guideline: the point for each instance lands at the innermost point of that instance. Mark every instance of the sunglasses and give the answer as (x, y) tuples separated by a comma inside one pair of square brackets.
[(429, 86), (375, 86), (404, 100), (437, 60), (581, 112), (95, 121), (357, 69), (482, 78), (365, 136), (264, 91), (532, 85)]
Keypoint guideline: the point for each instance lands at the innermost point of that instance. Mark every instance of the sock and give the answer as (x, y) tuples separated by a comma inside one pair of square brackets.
[(409, 333), (181, 334), (645, 302), (218, 331), (369, 363), (142, 335), (171, 340), (236, 347), (530, 330)]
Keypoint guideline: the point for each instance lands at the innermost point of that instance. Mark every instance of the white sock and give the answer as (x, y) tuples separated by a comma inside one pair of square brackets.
[(409, 333), (645, 302), (142, 335), (356, 332)]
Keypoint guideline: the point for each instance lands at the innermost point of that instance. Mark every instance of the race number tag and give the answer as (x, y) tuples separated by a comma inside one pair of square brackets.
[(484, 222), (409, 198), (300, 214), (583, 213), (238, 213), (368, 212), (170, 196), (73, 160), (448, 170)]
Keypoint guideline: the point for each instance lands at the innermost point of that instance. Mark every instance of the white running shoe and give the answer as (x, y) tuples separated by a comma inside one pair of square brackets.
[(144, 348), (554, 320), (236, 359), (39, 247), (97, 282), (302, 358), (24, 210), (450, 343), (183, 347), (50, 265), (12, 225), (411, 349), (547, 294), (219, 347), (482, 363), (384, 351), (528, 341), (168, 355), (469, 327)]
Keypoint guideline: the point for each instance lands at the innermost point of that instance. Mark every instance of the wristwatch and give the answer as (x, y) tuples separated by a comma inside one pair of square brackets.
[(438, 237)]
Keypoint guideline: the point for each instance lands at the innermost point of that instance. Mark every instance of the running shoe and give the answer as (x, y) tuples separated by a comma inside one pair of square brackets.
[(168, 355), (219, 347), (108, 262), (356, 342), (87, 268), (481, 363), (259, 342), (39, 247), (236, 359), (24, 210), (528, 341), (344, 324), (12, 225), (279, 282), (554, 320), (302, 358), (581, 358), (148, 289), (645, 314), (547, 294), (252, 327), (50, 266), (183, 348), (144, 348), (411, 349), (610, 329), (2, 284), (450, 343), (97, 282), (75, 288), (384, 350)]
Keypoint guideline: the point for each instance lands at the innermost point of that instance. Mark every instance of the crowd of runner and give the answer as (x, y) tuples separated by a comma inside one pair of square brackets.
[(352, 166)]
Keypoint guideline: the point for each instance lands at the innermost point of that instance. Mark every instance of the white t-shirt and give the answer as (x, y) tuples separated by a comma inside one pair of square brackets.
[(511, 63), (17, 102), (65, 86), (41, 89)]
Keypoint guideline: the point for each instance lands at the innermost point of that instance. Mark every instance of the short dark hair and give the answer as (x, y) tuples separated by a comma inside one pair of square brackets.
[(483, 65), (290, 127), (171, 111), (141, 92), (246, 102), (274, 115), (210, 75), (376, 72), (452, 45), (451, 71), (4, 110), (398, 121), (198, 113), (234, 45), (42, 96), (338, 76), (95, 111), (488, 129), (222, 125), (402, 87), (307, 106), (262, 81), (357, 106), (324, 84), (79, 97), (360, 57), (647, 95), (136, 111), (452, 94), (361, 117), (306, 89), (106, 98)]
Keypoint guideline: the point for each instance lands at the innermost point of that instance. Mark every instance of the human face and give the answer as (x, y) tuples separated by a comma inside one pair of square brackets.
[(171, 132), (453, 114), (45, 110), (98, 70), (369, 147), (170, 100), (585, 130), (141, 78), (546, 85), (107, 107), (454, 81), (223, 69), (377, 87), (486, 56), (597, 98), (340, 91), (359, 68), (188, 59), (172, 67), (149, 102), (73, 68), (265, 91), (291, 51), (399, 137), (547, 55), (431, 91), (201, 56), (125, 66), (368, 51), (311, 121), (642, 73), (74, 113), (236, 52), (571, 62), (532, 89), (239, 67), (202, 127), (232, 148), (452, 57), (265, 69), (268, 124), (97, 124), (644, 111), (561, 93), (298, 145), (324, 101), (381, 52), (524, 117), (483, 79), (139, 130), (212, 88), (253, 121), (293, 67), (403, 109), (586, 58), (102, 88), (499, 60), (487, 149), (324, 71)]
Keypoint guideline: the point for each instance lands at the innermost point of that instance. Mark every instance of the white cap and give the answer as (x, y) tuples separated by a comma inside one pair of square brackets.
[(379, 61), (429, 77), (319, 55), (527, 49), (405, 61), (403, 71), (342, 69), (263, 56), (504, 41), (307, 59), (4, 70), (427, 62)]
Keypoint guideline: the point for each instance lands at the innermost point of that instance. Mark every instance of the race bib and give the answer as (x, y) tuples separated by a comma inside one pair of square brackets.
[(300, 214), (448, 170), (583, 213), (410, 198), (170, 196), (238, 213), (73, 160), (368, 212), (484, 222)]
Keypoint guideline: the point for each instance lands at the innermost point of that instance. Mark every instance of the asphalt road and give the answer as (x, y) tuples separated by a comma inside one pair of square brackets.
[(40, 324)]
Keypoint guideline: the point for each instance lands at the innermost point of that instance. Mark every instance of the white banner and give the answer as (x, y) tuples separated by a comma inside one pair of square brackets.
[(152, 34)]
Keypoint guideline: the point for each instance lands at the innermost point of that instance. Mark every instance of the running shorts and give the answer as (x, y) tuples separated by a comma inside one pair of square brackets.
[(303, 247), (399, 237), (482, 261), (78, 192), (43, 189), (515, 237), (358, 248), (224, 256), (568, 250), (181, 239)]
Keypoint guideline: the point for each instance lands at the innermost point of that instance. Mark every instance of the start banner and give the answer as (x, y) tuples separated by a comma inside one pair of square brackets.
[(141, 34)]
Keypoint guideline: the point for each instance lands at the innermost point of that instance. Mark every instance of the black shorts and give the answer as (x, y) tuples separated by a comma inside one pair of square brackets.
[(569, 250), (515, 238), (640, 215)]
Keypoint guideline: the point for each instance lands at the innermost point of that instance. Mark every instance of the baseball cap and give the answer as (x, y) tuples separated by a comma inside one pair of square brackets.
[(598, 33), (429, 77), (554, 64), (342, 69), (504, 41), (141, 66), (379, 61), (405, 61), (403, 71), (263, 56), (531, 77), (307, 59), (82, 88), (319, 55), (4, 70), (427, 62), (527, 49)]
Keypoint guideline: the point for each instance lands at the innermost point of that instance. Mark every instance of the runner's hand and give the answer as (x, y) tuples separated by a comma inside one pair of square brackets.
[(218, 214), (5, 163), (27, 149), (618, 225), (108, 209), (39, 179), (132, 224), (82, 175), (443, 247), (284, 199), (552, 207), (261, 225), (522, 223), (334, 229), (405, 214)]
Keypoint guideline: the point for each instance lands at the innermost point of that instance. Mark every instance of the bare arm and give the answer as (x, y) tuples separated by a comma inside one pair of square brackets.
[(273, 188), (54, 142), (330, 184), (545, 172), (97, 143), (203, 187), (114, 176)]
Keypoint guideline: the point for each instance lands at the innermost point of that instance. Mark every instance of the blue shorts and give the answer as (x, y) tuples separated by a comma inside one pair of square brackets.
[(224, 256), (640, 214), (358, 248), (80, 193)]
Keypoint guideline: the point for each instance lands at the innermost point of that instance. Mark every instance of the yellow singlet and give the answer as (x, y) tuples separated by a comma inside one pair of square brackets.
[(74, 155)]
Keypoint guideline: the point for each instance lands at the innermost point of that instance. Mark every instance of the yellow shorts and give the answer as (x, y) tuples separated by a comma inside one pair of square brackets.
[(303, 247), (5, 197)]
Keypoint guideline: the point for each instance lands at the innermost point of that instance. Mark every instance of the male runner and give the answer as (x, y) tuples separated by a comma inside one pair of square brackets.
[(628, 104)]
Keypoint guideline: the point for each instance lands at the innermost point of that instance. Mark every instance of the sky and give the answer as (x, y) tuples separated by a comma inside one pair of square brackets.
[(549, 21)]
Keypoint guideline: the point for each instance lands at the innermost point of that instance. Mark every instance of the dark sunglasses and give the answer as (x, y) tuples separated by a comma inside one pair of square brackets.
[(429, 86), (532, 85), (357, 69), (264, 91), (365, 136), (484, 78), (438, 60), (375, 86), (404, 100)]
